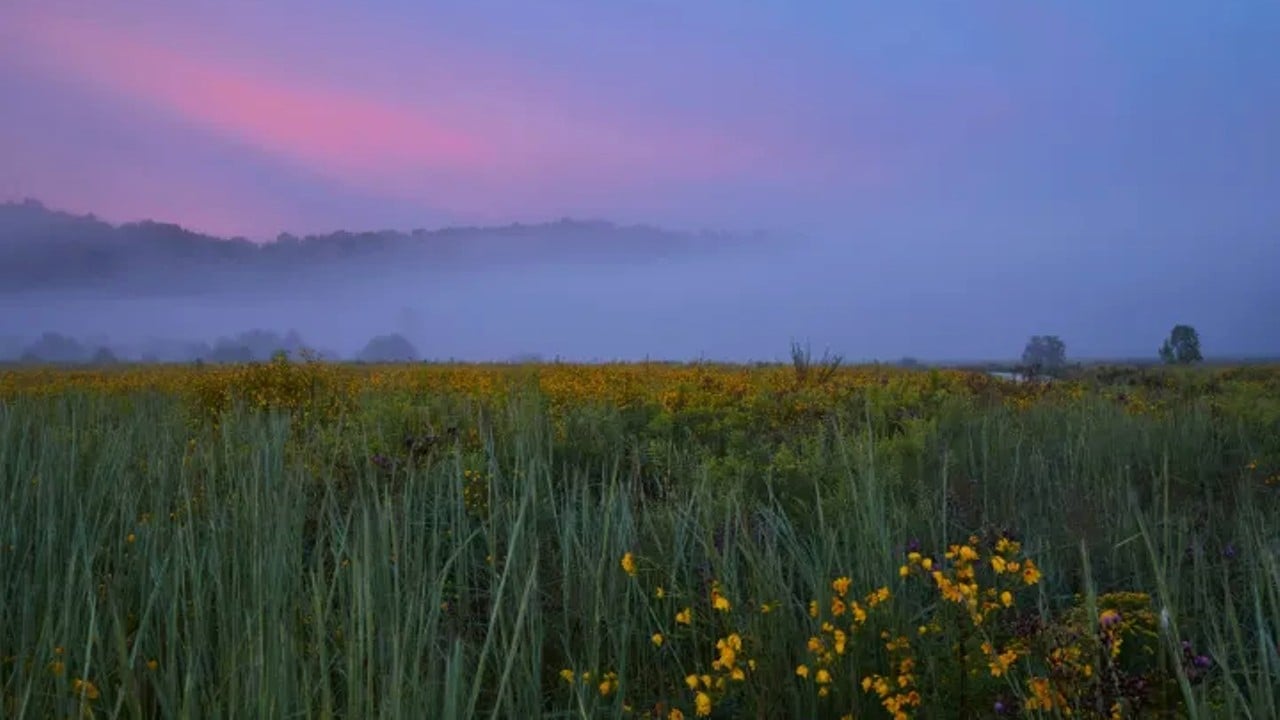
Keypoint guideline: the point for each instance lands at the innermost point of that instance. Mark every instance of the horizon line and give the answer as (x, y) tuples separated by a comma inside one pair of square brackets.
[(27, 201)]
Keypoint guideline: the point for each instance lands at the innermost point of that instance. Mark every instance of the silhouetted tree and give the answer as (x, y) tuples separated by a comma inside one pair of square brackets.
[(388, 348), (55, 348), (1044, 354), (1182, 347), (230, 351), (104, 356)]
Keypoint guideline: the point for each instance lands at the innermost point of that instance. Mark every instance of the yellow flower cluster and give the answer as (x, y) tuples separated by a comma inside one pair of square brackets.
[(475, 493), (730, 666), (958, 582), (606, 683), (1052, 665), (1044, 696), (846, 616), (318, 390), (898, 694)]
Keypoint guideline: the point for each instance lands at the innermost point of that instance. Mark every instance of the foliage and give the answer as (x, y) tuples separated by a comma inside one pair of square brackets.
[(1182, 347), (1044, 353), (807, 370), (388, 348), (299, 538)]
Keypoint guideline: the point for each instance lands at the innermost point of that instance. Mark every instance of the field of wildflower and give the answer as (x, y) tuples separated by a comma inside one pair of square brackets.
[(297, 538)]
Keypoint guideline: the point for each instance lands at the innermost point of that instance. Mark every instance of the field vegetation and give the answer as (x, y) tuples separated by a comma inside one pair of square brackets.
[(290, 539)]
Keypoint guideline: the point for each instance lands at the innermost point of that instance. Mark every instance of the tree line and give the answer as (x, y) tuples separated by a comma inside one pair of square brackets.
[(1046, 355), (249, 346)]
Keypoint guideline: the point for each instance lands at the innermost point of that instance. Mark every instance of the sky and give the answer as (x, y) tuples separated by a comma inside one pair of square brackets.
[(1112, 166)]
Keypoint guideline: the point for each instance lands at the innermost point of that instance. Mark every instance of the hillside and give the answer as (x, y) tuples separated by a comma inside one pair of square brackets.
[(48, 250)]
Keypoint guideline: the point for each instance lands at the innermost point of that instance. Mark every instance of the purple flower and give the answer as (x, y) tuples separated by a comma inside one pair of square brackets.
[(1229, 552), (913, 545), (1000, 707), (1202, 662)]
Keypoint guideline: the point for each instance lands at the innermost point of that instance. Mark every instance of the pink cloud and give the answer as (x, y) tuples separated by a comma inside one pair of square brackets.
[(529, 151), (328, 130)]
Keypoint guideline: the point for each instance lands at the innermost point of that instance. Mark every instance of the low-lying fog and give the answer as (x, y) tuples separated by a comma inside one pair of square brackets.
[(735, 301)]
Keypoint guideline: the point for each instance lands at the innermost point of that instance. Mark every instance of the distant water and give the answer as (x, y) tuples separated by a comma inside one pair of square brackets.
[(1014, 377)]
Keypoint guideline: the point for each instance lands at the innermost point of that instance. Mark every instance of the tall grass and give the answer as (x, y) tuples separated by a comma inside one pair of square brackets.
[(259, 569)]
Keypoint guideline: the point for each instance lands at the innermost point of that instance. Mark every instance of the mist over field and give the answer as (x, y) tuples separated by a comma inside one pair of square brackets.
[(596, 291)]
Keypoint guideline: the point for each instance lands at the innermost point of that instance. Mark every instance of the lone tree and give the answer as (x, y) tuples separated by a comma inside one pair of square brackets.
[(388, 348), (1044, 353), (1182, 346)]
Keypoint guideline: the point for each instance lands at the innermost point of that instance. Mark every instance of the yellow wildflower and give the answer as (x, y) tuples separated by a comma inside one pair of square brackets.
[(628, 563), (656, 638), (859, 614), (685, 616), (837, 606), (1030, 573), (841, 585), (84, 689), (1007, 546), (702, 704)]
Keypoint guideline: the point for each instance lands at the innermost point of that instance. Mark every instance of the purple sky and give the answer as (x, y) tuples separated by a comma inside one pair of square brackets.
[(1131, 146)]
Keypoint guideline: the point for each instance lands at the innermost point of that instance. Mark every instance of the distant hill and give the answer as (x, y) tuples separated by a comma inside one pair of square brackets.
[(48, 250)]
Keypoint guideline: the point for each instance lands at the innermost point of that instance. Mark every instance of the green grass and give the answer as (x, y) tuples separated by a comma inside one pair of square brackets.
[(278, 571)]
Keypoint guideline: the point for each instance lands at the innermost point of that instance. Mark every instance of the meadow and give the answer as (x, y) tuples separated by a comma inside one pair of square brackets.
[(293, 539)]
